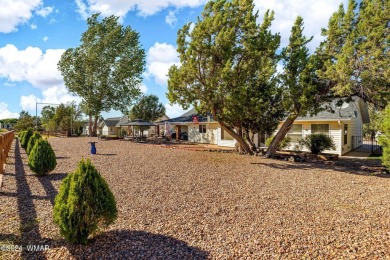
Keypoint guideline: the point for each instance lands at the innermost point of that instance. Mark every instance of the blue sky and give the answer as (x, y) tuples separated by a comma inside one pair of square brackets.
[(34, 34)]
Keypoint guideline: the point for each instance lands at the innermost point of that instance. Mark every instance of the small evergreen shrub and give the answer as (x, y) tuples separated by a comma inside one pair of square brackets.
[(384, 139), (31, 142), (283, 144), (83, 203), (26, 138), (21, 134), (317, 143), (42, 158)]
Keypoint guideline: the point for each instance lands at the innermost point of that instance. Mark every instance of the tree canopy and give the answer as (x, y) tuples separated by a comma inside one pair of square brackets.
[(228, 66), (356, 51), (147, 108), (105, 70)]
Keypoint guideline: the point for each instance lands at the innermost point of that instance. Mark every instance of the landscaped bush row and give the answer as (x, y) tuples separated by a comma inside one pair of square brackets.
[(84, 201)]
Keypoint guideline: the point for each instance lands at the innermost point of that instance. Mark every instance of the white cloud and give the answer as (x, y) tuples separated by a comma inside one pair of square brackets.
[(45, 11), (161, 56), (52, 95), (143, 88), (45, 39), (33, 26), (174, 110), (16, 12), (171, 18), (31, 65), (315, 14), (5, 113), (121, 7)]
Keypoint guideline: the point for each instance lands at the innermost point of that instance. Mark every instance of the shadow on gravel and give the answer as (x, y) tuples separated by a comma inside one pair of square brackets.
[(106, 154), (29, 228), (125, 244), (61, 157), (46, 182), (351, 166)]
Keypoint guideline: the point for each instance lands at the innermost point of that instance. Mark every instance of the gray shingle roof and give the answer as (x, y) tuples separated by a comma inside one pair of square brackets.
[(112, 121)]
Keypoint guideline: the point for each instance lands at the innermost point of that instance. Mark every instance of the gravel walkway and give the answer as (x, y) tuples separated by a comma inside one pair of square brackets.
[(180, 204)]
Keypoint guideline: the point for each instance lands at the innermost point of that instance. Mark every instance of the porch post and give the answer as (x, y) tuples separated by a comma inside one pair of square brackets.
[(178, 132)]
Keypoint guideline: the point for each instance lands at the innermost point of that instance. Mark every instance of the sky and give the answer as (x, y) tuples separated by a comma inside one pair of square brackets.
[(35, 33)]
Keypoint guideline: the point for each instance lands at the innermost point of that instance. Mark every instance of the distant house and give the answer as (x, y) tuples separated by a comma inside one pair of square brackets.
[(345, 126), (198, 129), (109, 126)]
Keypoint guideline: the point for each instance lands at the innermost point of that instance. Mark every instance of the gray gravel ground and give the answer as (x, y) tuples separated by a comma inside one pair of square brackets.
[(180, 204)]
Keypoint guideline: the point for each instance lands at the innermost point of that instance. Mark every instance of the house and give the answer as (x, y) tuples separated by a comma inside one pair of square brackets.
[(109, 126), (344, 125), (197, 129)]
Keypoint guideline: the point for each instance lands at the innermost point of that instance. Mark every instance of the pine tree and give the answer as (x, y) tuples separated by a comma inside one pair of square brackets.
[(83, 203), (31, 142), (26, 137), (384, 139), (42, 158)]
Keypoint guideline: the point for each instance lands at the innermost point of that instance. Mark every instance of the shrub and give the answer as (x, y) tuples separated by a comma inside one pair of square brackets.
[(32, 141), (384, 139), (42, 158), (26, 138), (21, 134), (283, 144), (317, 143), (83, 202)]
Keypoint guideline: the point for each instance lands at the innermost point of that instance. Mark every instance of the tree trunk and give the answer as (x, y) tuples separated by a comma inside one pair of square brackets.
[(94, 128), (286, 126), (250, 140), (237, 137), (89, 125)]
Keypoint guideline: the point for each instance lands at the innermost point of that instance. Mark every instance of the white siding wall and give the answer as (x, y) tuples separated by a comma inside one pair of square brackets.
[(228, 143), (210, 137), (109, 130), (335, 132)]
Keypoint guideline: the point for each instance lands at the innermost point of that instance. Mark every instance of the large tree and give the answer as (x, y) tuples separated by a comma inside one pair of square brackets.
[(228, 63), (356, 51), (105, 70), (302, 90), (148, 108), (25, 121)]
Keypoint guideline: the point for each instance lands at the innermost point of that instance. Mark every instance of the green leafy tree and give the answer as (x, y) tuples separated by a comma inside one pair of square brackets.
[(31, 142), (83, 203), (105, 70), (228, 62), (384, 139), (356, 51), (25, 121), (302, 90), (148, 108), (42, 158), (373, 128), (47, 115)]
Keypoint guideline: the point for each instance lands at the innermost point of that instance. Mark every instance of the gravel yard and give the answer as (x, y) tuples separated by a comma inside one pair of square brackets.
[(181, 204)]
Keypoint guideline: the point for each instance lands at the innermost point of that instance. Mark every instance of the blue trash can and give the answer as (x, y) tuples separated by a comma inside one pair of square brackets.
[(93, 147)]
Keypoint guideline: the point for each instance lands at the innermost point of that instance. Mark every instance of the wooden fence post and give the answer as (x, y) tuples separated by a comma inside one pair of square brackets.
[(5, 145)]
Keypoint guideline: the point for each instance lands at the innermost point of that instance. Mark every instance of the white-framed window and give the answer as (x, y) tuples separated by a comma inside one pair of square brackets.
[(202, 129), (295, 133), (320, 129)]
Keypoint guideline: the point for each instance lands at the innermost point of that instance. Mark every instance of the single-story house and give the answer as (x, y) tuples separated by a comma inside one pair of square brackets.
[(198, 129), (109, 126), (344, 124)]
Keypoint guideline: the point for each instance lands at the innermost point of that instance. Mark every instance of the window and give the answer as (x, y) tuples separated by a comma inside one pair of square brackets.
[(202, 129), (320, 129), (295, 133), (345, 134)]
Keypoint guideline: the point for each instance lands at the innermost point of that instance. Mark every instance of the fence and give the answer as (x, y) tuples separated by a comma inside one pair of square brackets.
[(367, 145), (5, 146)]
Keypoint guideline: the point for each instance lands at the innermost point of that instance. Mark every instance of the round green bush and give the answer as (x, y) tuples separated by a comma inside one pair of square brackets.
[(317, 143), (83, 203), (31, 142), (42, 158), (26, 137)]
